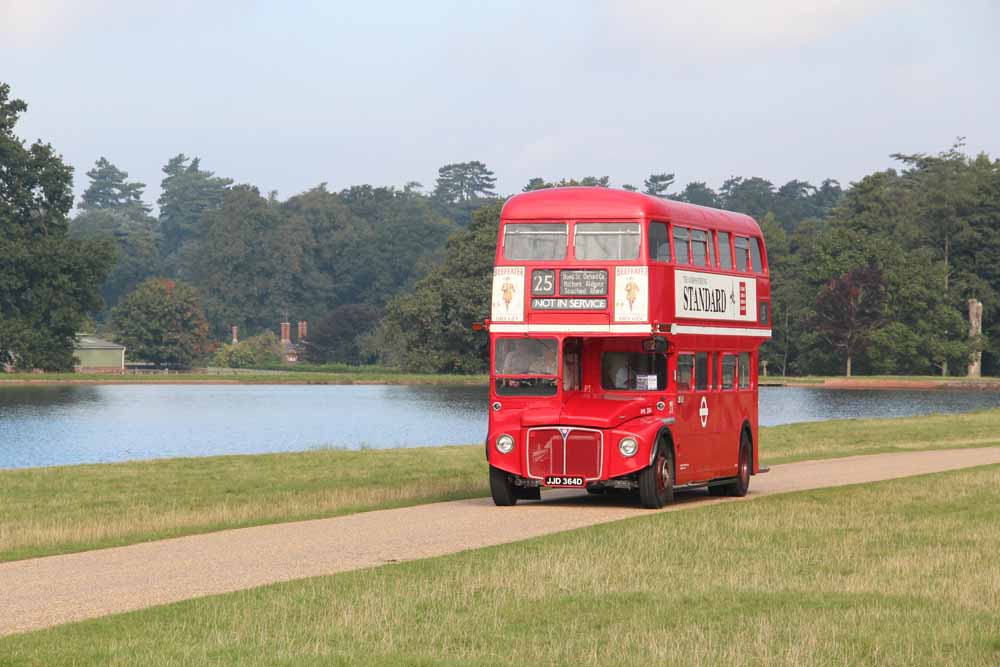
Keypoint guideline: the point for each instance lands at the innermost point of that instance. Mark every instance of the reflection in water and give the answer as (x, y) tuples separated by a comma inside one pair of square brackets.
[(54, 425)]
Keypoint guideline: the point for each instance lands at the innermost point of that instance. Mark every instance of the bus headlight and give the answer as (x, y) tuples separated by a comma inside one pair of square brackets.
[(628, 446), (505, 444)]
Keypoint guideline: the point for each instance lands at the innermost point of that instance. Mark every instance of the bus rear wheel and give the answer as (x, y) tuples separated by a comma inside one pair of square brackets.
[(741, 485), (502, 488), (656, 483)]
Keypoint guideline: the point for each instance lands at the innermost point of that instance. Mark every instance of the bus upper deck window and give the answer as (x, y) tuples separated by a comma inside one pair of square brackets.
[(699, 248), (725, 252), (755, 259), (659, 242), (532, 241), (741, 243), (606, 240), (681, 235)]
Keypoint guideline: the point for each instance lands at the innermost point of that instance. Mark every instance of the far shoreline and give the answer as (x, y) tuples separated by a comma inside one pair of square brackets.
[(250, 378), (885, 383), (384, 378)]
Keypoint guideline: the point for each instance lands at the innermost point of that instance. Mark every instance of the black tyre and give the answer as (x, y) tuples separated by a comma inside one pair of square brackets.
[(739, 486), (656, 483), (502, 488)]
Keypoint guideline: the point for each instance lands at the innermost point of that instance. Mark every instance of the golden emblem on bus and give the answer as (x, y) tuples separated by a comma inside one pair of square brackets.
[(508, 291), (631, 292)]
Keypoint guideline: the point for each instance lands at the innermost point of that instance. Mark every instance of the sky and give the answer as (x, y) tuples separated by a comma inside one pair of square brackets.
[(286, 95)]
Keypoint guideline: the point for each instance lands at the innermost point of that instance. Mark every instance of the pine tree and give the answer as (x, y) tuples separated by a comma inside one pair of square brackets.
[(657, 185), (188, 192), (109, 190)]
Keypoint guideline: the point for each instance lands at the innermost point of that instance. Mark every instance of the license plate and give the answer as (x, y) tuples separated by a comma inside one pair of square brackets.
[(563, 481)]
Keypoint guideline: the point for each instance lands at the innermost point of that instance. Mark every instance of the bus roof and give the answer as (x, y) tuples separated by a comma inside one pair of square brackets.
[(583, 203)]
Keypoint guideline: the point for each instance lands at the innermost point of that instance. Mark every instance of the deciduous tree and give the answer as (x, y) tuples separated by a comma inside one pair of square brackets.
[(162, 322), (48, 281)]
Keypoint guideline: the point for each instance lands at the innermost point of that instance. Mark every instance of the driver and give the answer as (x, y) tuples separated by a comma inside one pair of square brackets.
[(544, 362)]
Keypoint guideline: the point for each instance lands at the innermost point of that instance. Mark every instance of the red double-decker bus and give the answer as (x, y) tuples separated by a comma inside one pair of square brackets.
[(624, 335)]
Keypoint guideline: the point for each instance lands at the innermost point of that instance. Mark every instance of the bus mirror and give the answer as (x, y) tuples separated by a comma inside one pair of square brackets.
[(656, 344)]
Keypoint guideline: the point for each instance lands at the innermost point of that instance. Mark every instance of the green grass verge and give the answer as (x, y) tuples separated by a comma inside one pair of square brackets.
[(854, 437), (896, 573), (45, 511)]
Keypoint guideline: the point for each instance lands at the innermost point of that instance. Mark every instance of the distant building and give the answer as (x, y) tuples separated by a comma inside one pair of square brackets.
[(96, 355), (293, 351)]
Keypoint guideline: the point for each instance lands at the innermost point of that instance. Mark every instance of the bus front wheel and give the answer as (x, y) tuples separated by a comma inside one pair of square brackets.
[(656, 483), (502, 488)]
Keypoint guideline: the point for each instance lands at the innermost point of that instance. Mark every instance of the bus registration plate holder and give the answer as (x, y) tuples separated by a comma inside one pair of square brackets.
[(562, 480)]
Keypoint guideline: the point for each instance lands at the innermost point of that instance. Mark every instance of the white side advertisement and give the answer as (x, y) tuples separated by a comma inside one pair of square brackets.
[(711, 297), (631, 294), (508, 294)]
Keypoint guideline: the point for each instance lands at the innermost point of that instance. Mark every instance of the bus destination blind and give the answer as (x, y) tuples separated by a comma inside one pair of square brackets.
[(583, 282)]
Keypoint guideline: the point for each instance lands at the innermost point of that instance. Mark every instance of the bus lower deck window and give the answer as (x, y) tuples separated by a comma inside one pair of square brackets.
[(701, 371), (728, 371), (685, 368), (634, 371), (744, 370)]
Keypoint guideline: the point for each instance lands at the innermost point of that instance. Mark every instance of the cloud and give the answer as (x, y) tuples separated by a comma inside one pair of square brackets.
[(24, 23), (711, 26)]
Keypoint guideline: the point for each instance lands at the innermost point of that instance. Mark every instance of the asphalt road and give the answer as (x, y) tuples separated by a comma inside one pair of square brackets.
[(44, 592)]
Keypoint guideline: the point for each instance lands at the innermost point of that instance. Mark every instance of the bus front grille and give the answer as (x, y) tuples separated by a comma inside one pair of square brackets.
[(565, 451)]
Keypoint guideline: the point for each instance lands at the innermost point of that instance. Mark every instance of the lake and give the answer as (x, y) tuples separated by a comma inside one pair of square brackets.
[(66, 424)]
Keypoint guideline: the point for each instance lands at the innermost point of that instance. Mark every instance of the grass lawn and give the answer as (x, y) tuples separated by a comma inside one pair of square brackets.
[(45, 511), (896, 573)]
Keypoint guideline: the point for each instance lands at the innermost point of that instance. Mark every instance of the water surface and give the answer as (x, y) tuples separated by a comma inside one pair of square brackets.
[(65, 424)]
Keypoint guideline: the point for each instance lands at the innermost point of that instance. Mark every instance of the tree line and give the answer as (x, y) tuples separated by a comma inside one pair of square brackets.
[(877, 273), (871, 279)]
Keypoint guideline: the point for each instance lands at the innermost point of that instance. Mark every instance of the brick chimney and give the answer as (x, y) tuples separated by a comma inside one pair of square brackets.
[(286, 332), (303, 329), (236, 334)]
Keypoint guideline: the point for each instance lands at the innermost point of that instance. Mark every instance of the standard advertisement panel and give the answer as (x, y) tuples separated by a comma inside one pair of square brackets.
[(631, 294), (711, 297), (508, 294)]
